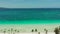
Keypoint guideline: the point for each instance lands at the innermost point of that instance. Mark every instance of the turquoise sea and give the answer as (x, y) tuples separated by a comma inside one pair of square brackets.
[(30, 16)]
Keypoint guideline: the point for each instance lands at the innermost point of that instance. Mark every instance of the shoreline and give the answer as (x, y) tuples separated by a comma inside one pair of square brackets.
[(28, 28)]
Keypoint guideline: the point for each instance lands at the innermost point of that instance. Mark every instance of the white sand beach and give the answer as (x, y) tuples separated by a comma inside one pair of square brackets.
[(29, 27), (32, 33)]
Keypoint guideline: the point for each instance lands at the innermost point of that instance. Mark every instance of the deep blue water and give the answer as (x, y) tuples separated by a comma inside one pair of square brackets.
[(32, 16), (22, 14)]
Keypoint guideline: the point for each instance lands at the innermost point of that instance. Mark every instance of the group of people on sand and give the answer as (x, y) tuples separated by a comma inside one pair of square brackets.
[(57, 30)]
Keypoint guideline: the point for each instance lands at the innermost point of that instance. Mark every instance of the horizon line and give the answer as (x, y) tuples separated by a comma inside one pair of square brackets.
[(7, 7)]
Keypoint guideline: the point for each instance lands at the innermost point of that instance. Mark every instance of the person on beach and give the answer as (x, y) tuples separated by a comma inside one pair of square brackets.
[(38, 32), (59, 29), (56, 30), (35, 30), (46, 31), (32, 30)]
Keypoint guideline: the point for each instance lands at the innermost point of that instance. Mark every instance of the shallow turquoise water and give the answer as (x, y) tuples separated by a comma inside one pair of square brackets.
[(31, 22)]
